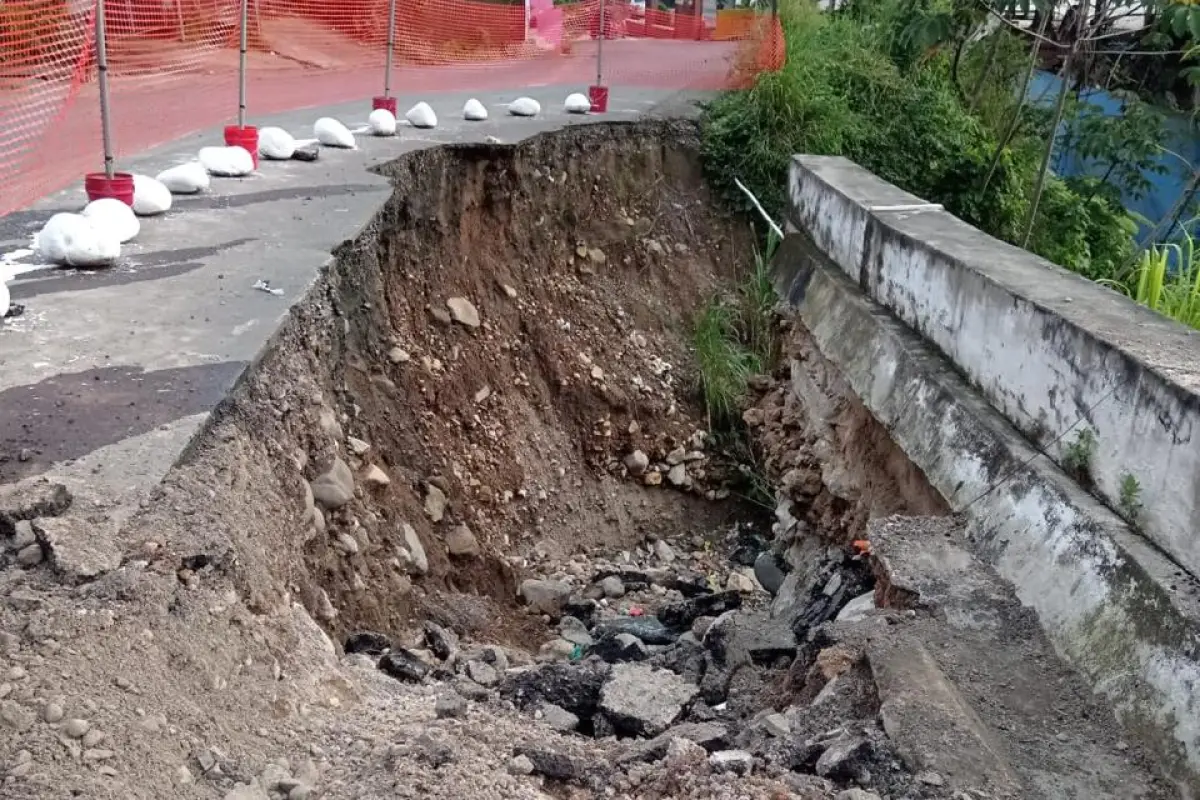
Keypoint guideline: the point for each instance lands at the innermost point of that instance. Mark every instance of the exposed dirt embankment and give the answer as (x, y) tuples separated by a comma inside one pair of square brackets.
[(834, 462), (463, 532)]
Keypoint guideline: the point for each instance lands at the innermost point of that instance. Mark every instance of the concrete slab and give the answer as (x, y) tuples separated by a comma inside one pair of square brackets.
[(108, 375), (1118, 610)]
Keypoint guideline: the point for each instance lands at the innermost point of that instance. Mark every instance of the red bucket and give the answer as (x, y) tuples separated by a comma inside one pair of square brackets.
[(388, 103), (119, 187), (246, 138), (599, 97)]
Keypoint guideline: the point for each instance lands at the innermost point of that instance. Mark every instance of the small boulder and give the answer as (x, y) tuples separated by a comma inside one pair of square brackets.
[(442, 642), (369, 642), (572, 686), (554, 765), (637, 463), (463, 312), (574, 631), (546, 597), (482, 673), (621, 647), (418, 561), (559, 719), (857, 609), (334, 488), (612, 587), (741, 582), (403, 665), (376, 477), (738, 762), (643, 701), (435, 503), (462, 542), (768, 572), (520, 765), (845, 758), (680, 615), (450, 706)]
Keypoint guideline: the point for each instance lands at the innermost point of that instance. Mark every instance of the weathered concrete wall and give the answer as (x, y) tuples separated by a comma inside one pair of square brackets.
[(1053, 352), (961, 358)]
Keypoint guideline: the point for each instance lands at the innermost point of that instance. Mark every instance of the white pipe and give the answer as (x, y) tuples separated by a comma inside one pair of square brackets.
[(774, 227)]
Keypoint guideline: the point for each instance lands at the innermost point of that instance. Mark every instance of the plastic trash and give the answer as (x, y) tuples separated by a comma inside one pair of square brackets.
[(227, 162), (382, 123), (332, 133), (474, 111), (276, 144), (421, 116), (112, 216), (150, 196), (577, 103), (185, 179), (524, 107)]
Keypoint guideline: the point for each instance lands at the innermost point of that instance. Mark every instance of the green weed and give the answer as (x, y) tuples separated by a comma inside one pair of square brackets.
[(1130, 499), (1077, 456), (725, 364)]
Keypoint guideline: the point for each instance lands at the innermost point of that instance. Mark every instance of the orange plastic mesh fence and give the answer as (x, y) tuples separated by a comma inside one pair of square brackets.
[(173, 63)]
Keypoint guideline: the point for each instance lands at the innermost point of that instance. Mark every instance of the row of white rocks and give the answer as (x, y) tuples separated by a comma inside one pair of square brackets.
[(93, 237)]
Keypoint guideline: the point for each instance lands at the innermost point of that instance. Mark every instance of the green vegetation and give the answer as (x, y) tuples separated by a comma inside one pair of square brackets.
[(1173, 292), (1130, 497), (1077, 456), (734, 339), (725, 364), (921, 94)]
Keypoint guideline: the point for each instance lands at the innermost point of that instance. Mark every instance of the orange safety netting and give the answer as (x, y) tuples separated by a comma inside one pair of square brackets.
[(173, 63)]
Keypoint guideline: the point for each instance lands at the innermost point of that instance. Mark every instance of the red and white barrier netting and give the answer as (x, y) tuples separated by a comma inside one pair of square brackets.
[(173, 64)]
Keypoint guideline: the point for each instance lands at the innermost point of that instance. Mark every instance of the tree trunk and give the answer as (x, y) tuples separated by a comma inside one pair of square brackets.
[(1011, 131), (1040, 183), (981, 83)]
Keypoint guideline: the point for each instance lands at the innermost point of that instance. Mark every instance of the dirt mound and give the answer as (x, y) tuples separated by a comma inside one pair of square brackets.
[(386, 428)]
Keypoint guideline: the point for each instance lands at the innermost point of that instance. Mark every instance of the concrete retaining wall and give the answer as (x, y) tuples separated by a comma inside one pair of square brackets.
[(1053, 352), (983, 344)]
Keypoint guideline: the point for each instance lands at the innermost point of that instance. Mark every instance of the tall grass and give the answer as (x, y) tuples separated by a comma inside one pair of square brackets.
[(725, 364), (757, 299), (1172, 292), (735, 337)]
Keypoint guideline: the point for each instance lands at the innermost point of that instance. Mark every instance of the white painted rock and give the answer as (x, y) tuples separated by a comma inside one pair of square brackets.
[(227, 162), (111, 215), (77, 241), (332, 133), (421, 116), (474, 111), (577, 103), (150, 196), (185, 179), (524, 107), (382, 122), (276, 144)]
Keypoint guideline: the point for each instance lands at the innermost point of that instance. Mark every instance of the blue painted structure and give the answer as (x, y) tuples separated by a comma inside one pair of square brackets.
[(1164, 189)]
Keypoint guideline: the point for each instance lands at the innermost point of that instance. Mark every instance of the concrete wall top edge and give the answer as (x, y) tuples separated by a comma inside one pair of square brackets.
[(855, 183), (1160, 344)]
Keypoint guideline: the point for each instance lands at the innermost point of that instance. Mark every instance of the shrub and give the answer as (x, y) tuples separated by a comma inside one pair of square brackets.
[(841, 93)]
